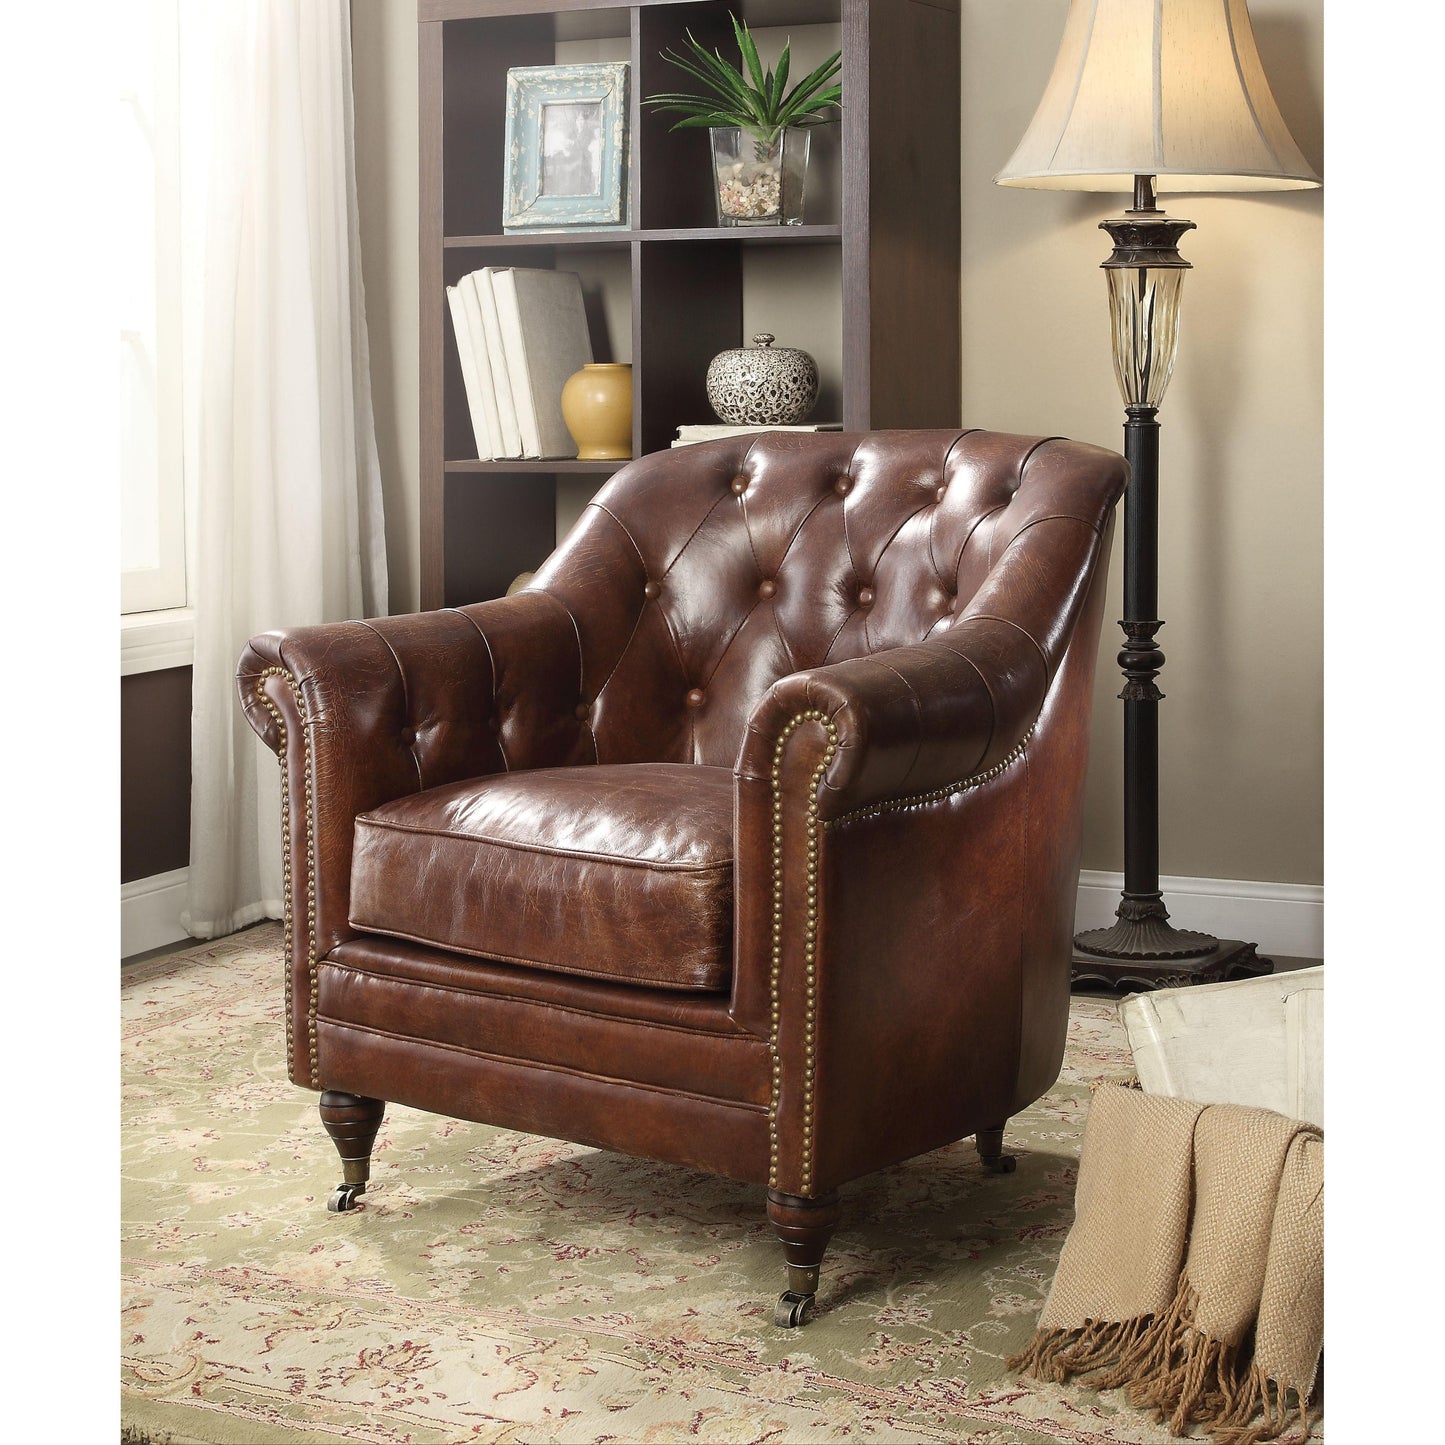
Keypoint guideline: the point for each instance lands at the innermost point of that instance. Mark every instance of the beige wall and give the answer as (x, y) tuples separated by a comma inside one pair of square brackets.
[(1241, 587)]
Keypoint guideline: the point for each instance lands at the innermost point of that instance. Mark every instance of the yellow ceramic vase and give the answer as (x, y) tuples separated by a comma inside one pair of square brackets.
[(597, 407)]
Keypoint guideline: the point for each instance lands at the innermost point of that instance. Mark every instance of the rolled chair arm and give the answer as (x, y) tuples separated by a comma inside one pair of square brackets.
[(364, 712), (911, 720)]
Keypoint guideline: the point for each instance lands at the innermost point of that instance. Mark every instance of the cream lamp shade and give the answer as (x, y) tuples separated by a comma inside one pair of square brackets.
[(1167, 88)]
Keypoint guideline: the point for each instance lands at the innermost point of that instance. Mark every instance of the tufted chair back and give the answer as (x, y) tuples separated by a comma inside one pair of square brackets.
[(699, 577)]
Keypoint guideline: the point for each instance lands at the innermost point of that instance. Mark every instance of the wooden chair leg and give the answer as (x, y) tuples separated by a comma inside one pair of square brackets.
[(805, 1226), (989, 1143), (352, 1122)]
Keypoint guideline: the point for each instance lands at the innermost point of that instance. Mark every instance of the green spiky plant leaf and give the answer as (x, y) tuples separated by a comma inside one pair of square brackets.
[(748, 96)]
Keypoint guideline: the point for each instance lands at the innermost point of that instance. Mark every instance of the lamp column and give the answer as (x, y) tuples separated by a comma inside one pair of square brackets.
[(1145, 274)]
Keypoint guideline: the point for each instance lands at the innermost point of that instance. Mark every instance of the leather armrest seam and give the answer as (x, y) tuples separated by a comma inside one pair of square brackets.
[(495, 711), (917, 718), (405, 694), (1084, 522), (1007, 622), (935, 795)]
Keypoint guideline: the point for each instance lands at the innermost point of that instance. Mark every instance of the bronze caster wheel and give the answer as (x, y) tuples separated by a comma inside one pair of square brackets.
[(343, 1198), (792, 1310), (1003, 1164)]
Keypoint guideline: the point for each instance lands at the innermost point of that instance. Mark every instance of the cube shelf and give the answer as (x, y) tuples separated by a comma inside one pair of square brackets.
[(871, 275)]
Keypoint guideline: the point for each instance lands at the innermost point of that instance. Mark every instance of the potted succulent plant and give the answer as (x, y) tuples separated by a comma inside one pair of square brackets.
[(759, 128)]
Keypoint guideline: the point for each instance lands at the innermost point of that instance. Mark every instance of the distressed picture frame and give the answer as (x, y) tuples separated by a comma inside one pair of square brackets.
[(567, 147)]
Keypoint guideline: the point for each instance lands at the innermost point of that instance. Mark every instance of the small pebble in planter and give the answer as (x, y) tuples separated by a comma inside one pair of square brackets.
[(749, 200)]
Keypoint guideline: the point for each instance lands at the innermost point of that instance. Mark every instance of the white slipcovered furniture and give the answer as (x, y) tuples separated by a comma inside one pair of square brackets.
[(1257, 1041)]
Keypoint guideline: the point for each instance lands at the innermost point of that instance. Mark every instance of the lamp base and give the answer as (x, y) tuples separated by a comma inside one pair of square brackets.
[(1229, 958)]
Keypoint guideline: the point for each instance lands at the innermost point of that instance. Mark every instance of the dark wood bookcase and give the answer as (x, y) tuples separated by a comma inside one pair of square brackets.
[(669, 292)]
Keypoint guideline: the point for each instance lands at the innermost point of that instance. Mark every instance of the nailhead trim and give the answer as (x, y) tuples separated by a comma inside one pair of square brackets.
[(810, 943), (923, 800), (287, 888)]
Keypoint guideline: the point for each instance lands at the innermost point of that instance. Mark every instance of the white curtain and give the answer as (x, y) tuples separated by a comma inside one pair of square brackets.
[(288, 488)]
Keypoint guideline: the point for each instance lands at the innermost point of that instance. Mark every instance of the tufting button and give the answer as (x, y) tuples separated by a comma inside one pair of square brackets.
[(651, 590), (740, 485), (583, 710), (408, 736), (939, 495), (694, 698), (494, 723), (767, 589), (843, 486), (865, 597)]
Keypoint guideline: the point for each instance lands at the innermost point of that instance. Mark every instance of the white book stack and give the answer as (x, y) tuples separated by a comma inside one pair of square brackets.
[(708, 432), (520, 334), (492, 340)]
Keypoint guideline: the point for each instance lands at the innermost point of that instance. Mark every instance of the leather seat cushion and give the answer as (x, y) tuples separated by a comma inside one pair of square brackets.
[(615, 871)]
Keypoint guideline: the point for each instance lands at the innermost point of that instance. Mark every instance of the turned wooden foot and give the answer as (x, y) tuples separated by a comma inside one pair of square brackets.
[(805, 1226), (352, 1122), (989, 1143)]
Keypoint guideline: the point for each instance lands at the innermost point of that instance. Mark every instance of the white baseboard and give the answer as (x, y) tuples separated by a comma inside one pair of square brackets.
[(1283, 918), (150, 912)]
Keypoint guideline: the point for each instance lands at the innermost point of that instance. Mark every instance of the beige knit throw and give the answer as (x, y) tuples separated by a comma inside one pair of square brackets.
[(1193, 1275)]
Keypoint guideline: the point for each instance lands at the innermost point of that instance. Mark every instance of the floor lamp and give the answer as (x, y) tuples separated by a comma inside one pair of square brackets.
[(1152, 95)]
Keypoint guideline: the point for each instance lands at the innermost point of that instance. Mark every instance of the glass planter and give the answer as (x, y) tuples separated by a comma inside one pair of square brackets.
[(759, 183)]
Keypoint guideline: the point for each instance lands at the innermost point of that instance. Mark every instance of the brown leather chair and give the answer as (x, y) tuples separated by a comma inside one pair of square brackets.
[(746, 837)]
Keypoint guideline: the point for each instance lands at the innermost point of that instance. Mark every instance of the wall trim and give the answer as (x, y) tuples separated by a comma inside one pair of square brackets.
[(150, 912), (1283, 918), (152, 641)]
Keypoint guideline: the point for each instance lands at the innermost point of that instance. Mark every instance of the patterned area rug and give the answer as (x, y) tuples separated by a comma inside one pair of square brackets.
[(500, 1287)]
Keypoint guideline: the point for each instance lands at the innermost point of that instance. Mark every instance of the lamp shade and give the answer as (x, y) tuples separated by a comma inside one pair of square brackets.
[(1167, 88)]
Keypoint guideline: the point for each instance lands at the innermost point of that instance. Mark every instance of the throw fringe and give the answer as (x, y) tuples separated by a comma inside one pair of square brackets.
[(1057, 1354), (1168, 1365), (1156, 1351)]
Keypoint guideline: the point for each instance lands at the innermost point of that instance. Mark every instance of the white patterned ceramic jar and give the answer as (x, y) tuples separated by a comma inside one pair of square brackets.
[(762, 385)]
